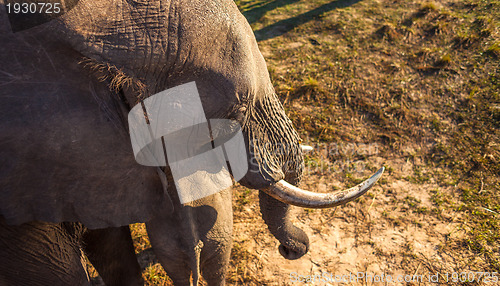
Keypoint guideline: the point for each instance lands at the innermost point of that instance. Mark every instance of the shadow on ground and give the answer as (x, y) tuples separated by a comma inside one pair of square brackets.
[(281, 27), (256, 12)]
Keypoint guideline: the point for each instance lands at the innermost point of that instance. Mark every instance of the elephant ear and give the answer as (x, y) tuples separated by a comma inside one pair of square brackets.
[(64, 149)]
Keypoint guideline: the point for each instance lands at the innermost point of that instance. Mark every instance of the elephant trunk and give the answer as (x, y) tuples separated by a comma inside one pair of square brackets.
[(275, 155), (294, 242)]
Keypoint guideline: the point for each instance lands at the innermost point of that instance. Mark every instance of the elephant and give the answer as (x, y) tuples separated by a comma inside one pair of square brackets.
[(67, 83)]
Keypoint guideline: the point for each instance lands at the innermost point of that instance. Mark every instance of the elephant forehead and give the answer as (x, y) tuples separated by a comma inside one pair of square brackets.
[(64, 150)]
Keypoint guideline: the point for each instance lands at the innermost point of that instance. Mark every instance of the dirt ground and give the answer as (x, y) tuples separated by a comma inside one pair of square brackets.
[(384, 233)]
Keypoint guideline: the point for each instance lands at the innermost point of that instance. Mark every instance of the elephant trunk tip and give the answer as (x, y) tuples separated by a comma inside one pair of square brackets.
[(293, 253)]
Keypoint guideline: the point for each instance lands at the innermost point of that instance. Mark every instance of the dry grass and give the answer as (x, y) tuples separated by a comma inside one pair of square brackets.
[(419, 80)]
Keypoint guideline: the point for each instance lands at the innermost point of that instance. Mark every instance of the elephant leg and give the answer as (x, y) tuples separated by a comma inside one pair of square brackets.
[(111, 252), (214, 269), (38, 253), (168, 241)]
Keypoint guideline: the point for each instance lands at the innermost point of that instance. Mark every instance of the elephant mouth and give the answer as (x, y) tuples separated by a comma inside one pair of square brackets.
[(290, 194)]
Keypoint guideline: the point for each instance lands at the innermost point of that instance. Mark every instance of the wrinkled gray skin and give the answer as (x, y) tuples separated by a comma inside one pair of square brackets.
[(196, 238), (64, 147), (59, 243)]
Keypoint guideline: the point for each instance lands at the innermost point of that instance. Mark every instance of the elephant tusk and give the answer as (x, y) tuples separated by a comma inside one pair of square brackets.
[(288, 193), (306, 148)]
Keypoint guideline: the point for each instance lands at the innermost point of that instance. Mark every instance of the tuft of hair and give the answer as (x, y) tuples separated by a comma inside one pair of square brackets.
[(116, 78)]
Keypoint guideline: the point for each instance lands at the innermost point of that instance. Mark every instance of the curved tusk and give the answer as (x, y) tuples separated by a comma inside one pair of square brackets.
[(306, 148), (288, 193)]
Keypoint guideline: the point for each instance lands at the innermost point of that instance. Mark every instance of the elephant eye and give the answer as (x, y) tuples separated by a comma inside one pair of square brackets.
[(239, 114)]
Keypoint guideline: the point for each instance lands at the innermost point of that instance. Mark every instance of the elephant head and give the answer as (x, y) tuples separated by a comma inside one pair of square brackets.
[(140, 48)]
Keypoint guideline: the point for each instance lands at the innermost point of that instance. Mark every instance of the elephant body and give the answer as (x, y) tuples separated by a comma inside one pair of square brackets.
[(64, 148), (52, 165)]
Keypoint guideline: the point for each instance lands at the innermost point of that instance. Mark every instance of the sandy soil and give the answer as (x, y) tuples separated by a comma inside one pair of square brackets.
[(386, 232)]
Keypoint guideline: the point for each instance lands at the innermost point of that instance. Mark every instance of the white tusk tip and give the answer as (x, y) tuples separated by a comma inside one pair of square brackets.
[(306, 148)]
